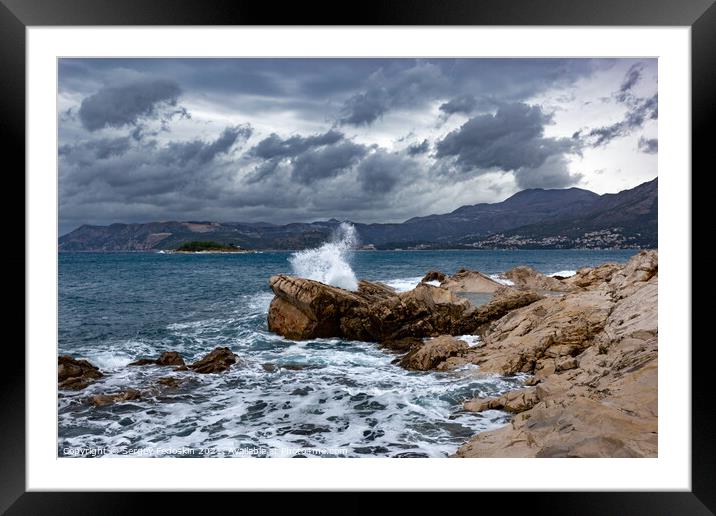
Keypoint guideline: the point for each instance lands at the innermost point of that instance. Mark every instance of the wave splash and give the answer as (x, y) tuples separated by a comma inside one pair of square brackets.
[(330, 263)]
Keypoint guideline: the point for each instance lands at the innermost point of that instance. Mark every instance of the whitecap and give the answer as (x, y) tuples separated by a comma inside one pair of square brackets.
[(471, 340), (404, 284), (564, 274), (499, 278)]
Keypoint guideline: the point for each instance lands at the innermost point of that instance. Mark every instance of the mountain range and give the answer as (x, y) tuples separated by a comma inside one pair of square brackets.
[(534, 218)]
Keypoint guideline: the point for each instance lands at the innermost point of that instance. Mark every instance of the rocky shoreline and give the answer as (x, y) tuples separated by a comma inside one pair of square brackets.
[(588, 344)]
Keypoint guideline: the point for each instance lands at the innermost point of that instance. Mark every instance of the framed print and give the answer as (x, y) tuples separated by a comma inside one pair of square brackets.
[(418, 248)]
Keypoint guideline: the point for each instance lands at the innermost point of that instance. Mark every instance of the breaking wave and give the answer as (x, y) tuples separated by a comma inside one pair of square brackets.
[(330, 263)]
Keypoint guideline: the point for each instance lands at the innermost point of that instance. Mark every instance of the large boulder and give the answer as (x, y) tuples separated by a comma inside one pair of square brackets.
[(307, 309), (433, 352), (73, 374), (593, 277), (528, 278), (218, 360)]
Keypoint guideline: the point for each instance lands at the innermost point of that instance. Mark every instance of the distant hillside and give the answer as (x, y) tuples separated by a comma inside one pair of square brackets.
[(533, 218)]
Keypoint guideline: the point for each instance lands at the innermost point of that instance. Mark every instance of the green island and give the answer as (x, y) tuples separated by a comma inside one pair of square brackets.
[(207, 247)]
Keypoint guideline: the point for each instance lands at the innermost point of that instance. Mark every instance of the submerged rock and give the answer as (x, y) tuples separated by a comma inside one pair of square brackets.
[(218, 360), (100, 400), (73, 374)]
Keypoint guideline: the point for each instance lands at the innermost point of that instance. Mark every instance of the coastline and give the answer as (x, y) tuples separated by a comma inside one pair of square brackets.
[(589, 343), (552, 372)]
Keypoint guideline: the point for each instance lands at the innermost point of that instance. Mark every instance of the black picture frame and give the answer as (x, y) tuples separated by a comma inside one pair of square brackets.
[(16, 15)]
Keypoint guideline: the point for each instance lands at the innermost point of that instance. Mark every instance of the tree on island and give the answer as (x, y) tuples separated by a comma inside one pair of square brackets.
[(198, 246)]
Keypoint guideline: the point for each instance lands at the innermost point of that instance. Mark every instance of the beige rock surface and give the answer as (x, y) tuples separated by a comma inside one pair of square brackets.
[(594, 356), (433, 352), (528, 278), (470, 281)]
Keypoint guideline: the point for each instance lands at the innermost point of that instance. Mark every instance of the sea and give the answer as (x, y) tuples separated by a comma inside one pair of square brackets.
[(318, 398)]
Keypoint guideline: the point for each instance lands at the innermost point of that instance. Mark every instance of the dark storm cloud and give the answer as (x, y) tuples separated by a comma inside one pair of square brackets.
[(310, 150), (553, 173), (649, 146), (276, 147), (390, 89), (639, 112), (365, 108), (147, 171), (100, 149), (326, 162), (511, 139), (200, 152), (381, 171), (461, 104), (117, 106), (418, 148)]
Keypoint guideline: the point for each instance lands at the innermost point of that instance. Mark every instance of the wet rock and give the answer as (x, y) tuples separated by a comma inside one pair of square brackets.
[(402, 345), (434, 351), (73, 374), (306, 309), (528, 278), (269, 368), (100, 400), (171, 382), (218, 360), (143, 362), (514, 401), (167, 358)]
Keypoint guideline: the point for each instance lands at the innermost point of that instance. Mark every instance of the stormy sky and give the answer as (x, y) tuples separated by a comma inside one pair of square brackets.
[(369, 140)]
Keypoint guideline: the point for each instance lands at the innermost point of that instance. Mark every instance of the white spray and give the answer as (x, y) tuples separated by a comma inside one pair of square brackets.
[(330, 263)]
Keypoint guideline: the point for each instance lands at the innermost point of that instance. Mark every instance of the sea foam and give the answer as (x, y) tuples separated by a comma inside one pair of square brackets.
[(330, 263)]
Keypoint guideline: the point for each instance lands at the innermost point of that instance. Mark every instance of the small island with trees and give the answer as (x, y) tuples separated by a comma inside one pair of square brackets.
[(208, 247)]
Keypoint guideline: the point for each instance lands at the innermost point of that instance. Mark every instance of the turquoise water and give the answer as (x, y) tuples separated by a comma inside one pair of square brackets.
[(337, 398)]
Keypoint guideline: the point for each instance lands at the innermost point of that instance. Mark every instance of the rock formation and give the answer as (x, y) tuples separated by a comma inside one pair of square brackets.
[(433, 352), (168, 358), (528, 278), (100, 400), (307, 309), (470, 281), (73, 374), (593, 354), (217, 361)]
